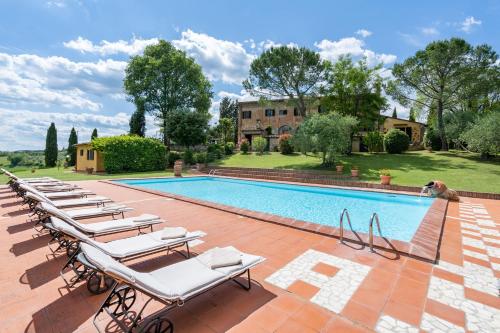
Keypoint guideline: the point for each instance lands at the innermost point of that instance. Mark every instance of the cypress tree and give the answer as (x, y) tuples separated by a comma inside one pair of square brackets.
[(51, 146), (94, 134), (73, 140), (394, 113), (412, 115), (138, 120)]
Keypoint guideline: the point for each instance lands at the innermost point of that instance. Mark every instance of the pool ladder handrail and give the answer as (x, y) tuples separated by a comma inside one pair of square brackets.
[(370, 235), (212, 172), (341, 224)]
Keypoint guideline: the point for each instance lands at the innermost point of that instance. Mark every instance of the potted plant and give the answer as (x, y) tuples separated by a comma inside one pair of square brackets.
[(340, 168), (385, 177), (354, 171), (89, 170), (33, 170)]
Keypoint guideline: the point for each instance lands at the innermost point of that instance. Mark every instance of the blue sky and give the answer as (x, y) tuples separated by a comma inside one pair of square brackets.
[(63, 60)]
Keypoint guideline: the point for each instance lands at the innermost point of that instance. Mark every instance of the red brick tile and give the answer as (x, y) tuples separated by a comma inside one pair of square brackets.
[(482, 298), (445, 312), (312, 316), (477, 261), (303, 289), (452, 277), (404, 312), (361, 314), (325, 269)]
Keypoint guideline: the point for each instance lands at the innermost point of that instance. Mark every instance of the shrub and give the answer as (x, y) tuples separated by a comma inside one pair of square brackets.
[(188, 157), (200, 157), (172, 156), (432, 139), (374, 141), (244, 146), (385, 172), (285, 144), (15, 159), (216, 150), (211, 157), (396, 141), (259, 144), (130, 153), (483, 136), (229, 148)]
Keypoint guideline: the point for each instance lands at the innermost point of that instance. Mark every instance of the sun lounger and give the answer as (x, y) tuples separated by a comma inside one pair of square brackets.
[(32, 200), (56, 188), (121, 249), (34, 179), (54, 195), (44, 209), (172, 285)]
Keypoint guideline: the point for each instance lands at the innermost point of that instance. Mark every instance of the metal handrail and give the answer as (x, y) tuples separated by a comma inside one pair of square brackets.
[(212, 172), (374, 217), (341, 233)]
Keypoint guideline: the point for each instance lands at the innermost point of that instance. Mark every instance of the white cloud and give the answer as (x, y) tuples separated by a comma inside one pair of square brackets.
[(411, 39), (47, 81), (105, 48), (468, 24), (364, 33), (221, 60), (56, 3), (33, 127), (355, 47), (429, 31)]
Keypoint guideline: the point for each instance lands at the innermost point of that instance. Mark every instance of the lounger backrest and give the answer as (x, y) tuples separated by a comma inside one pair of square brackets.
[(29, 188), (69, 230), (54, 211), (109, 265), (33, 196)]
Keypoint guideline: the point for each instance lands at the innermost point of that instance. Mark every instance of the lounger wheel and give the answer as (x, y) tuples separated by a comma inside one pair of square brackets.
[(121, 300), (157, 325), (98, 283), (71, 248)]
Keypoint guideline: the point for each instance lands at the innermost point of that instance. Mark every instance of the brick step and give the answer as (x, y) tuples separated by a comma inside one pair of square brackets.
[(279, 172), (277, 176)]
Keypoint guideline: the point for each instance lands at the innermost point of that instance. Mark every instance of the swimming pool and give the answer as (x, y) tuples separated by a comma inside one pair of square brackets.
[(400, 215)]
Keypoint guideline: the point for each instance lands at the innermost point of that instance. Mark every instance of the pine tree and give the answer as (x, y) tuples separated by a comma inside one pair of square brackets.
[(394, 113), (51, 146), (94, 134), (73, 140), (412, 115), (229, 109), (138, 120)]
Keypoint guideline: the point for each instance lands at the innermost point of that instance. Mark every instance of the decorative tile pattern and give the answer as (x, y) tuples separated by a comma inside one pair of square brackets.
[(388, 324), (334, 291), (432, 323)]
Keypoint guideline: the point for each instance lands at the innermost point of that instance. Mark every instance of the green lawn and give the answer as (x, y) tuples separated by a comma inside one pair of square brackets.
[(67, 174), (459, 170)]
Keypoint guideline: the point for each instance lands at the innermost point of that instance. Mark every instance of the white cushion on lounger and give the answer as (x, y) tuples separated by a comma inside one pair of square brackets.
[(116, 224), (220, 257), (108, 264), (247, 260), (126, 247), (80, 202), (173, 232)]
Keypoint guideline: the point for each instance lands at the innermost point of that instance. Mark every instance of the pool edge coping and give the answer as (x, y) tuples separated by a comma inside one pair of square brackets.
[(424, 244)]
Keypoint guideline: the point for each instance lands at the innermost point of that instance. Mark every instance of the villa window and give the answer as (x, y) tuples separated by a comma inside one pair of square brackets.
[(283, 113), (285, 129), (90, 155), (81, 152), (246, 114), (296, 112), (270, 112)]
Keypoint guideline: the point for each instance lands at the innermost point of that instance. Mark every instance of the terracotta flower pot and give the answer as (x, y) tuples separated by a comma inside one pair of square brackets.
[(340, 168), (178, 168), (354, 172), (385, 180)]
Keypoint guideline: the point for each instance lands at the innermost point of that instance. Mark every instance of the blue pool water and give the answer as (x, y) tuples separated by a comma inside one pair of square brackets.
[(400, 215)]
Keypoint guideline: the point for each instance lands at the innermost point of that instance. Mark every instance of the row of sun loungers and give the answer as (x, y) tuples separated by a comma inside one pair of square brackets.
[(58, 209)]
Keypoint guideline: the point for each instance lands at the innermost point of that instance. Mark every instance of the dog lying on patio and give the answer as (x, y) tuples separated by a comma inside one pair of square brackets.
[(439, 189)]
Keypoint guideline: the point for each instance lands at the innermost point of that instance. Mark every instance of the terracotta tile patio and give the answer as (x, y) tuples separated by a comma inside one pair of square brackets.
[(309, 282)]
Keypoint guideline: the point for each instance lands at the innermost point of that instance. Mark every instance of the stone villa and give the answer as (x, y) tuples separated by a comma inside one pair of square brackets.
[(255, 119)]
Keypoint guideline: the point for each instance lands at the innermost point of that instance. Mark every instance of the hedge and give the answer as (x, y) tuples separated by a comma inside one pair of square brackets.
[(126, 153), (396, 141)]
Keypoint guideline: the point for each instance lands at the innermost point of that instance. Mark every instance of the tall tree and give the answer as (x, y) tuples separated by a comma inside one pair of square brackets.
[(441, 76), (354, 89), (51, 146), (394, 113), (412, 116), (287, 71), (94, 134), (138, 120), (166, 79), (229, 109), (226, 129), (187, 128), (72, 141)]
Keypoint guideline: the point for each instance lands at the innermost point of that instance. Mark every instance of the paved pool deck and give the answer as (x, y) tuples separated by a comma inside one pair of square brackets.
[(309, 282)]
